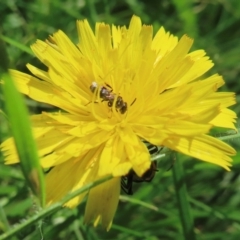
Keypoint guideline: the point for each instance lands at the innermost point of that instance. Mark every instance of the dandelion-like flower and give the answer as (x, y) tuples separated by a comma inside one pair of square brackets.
[(115, 88)]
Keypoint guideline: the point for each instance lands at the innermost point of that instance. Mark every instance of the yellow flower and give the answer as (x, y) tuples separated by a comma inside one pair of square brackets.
[(115, 88)]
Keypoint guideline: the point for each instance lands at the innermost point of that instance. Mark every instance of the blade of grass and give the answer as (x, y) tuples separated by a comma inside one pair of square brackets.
[(182, 198), (21, 130), (16, 44), (138, 202), (128, 231), (4, 222)]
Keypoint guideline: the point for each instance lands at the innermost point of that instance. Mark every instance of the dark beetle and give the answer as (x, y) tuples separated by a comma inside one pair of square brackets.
[(128, 180)]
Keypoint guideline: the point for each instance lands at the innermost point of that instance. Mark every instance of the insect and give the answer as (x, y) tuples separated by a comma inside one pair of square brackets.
[(127, 181), (107, 95)]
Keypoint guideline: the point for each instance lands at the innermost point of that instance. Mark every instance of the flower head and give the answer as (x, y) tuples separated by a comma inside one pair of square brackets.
[(115, 88)]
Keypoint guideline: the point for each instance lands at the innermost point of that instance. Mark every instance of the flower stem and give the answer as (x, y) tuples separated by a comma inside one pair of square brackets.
[(182, 199)]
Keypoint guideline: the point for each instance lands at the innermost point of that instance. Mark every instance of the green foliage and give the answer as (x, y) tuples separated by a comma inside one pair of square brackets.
[(23, 138), (152, 212)]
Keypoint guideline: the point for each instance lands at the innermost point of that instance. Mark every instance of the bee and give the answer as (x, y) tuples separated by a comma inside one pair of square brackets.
[(107, 95), (127, 181)]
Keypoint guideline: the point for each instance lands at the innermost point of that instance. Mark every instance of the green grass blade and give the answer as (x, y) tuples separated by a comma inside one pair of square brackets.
[(5, 226), (182, 199), (16, 44), (20, 126), (21, 130)]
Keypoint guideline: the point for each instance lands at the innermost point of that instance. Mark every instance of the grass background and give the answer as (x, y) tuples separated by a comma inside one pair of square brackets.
[(151, 213)]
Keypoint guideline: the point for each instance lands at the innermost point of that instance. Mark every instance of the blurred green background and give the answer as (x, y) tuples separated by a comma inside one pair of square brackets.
[(151, 213)]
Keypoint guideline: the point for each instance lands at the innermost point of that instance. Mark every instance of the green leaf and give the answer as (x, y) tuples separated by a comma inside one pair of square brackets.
[(21, 130), (16, 44)]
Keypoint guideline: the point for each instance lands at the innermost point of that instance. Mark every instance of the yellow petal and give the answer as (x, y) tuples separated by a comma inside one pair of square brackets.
[(102, 203), (204, 147)]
